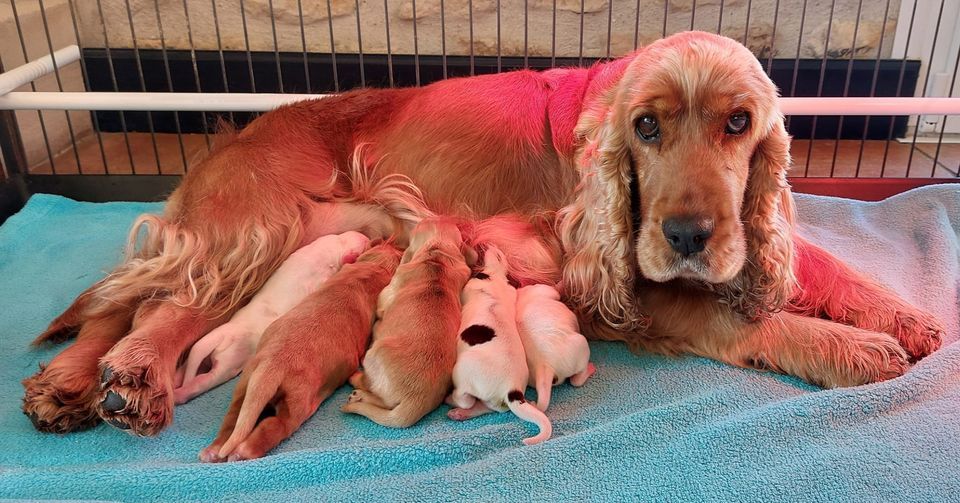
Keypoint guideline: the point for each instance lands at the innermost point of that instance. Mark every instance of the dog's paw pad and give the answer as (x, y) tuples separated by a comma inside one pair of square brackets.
[(113, 402)]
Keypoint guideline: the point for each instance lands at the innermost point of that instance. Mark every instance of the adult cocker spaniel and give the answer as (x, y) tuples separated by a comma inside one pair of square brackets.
[(665, 170)]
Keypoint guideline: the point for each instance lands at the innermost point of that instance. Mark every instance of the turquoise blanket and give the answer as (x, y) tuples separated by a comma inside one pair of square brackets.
[(645, 427)]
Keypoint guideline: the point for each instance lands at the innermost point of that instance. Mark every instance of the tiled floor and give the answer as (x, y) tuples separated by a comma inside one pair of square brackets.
[(823, 158)]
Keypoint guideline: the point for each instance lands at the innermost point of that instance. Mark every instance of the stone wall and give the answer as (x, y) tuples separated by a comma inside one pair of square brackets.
[(626, 28), (187, 23)]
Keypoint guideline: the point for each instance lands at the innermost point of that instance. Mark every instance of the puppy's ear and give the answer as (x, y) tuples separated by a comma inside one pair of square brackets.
[(469, 254), (767, 280), (597, 229)]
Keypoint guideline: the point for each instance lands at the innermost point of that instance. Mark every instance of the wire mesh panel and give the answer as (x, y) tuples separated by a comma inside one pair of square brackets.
[(808, 47)]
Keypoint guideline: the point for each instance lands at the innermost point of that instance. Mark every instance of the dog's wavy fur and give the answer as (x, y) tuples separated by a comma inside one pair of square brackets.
[(547, 167)]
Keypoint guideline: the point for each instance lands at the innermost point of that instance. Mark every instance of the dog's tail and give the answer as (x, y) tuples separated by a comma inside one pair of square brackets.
[(526, 411), (404, 415), (545, 375), (261, 389)]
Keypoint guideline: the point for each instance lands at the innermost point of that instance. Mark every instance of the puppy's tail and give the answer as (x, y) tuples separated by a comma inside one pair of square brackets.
[(260, 390), (545, 375), (404, 415), (524, 410)]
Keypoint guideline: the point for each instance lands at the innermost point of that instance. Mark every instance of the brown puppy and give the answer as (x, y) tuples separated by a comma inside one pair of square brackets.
[(303, 357), (407, 371)]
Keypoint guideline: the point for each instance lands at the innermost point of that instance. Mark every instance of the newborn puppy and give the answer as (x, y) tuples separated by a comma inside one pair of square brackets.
[(304, 356), (551, 338), (491, 370), (227, 348), (407, 370)]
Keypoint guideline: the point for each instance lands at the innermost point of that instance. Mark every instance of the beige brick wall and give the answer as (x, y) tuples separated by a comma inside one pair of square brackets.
[(373, 17)]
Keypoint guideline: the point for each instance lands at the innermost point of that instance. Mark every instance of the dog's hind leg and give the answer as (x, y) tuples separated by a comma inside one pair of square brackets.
[(60, 398)]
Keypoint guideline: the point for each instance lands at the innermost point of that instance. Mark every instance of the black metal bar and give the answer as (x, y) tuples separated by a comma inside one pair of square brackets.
[(363, 78), (796, 58), (196, 71), (846, 84), (143, 84), (386, 24), (86, 86), (33, 85), (56, 74), (166, 70), (823, 73), (276, 44), (903, 70), (102, 188), (416, 44), (926, 82), (303, 42), (223, 63), (333, 49), (873, 91)]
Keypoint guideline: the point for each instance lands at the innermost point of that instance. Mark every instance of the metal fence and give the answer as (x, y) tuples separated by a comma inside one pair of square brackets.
[(80, 121)]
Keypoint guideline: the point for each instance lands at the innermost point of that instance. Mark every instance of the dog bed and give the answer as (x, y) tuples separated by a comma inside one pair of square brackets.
[(648, 427)]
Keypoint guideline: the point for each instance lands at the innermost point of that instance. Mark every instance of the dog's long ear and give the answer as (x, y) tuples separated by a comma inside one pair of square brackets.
[(597, 228), (767, 280)]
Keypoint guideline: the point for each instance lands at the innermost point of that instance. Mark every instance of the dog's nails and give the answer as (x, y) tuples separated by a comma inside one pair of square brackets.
[(116, 423), (106, 375), (35, 419), (235, 457), (113, 402)]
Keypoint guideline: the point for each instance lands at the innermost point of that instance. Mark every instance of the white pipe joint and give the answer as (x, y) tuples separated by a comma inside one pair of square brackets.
[(28, 72)]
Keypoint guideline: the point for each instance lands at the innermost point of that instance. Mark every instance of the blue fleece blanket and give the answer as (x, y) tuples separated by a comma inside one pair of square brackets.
[(645, 427)]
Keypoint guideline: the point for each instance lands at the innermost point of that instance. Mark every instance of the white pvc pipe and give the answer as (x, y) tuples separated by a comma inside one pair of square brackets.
[(153, 102), (28, 72), (248, 102), (870, 106)]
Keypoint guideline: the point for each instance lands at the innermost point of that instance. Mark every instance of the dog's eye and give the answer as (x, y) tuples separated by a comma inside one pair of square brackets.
[(737, 123), (648, 129)]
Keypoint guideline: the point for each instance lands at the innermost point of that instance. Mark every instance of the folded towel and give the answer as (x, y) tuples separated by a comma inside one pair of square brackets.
[(644, 427)]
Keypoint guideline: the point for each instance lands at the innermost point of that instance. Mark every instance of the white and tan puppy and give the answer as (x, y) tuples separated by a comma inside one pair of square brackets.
[(552, 341), (408, 369), (228, 348), (491, 370)]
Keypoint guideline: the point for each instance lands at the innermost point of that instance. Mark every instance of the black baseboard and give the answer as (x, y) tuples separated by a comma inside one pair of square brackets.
[(12, 198), (103, 188), (234, 74)]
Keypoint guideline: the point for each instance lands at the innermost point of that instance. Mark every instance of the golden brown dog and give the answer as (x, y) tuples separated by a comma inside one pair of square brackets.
[(668, 170), (407, 370), (304, 357)]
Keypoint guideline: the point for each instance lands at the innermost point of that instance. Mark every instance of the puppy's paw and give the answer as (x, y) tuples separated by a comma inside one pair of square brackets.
[(458, 414), (211, 454), (355, 397)]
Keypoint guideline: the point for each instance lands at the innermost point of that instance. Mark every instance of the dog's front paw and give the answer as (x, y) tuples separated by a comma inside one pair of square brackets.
[(919, 332), (136, 394), (869, 357)]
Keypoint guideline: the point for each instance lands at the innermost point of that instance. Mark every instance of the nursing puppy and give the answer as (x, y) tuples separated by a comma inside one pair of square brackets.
[(491, 371), (228, 348), (407, 370), (304, 356), (552, 341)]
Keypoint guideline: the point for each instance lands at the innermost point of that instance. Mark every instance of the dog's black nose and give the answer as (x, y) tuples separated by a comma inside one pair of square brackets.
[(687, 235)]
